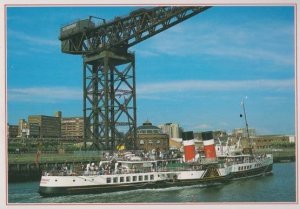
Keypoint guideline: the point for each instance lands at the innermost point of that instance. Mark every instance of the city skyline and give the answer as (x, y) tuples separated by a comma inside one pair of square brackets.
[(195, 74)]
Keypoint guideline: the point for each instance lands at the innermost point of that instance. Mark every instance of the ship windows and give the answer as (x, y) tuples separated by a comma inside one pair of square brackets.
[(151, 177), (146, 177), (115, 179), (134, 178), (140, 178), (121, 179), (127, 178), (108, 180)]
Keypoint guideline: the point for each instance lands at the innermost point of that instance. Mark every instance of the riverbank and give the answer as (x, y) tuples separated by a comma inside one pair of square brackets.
[(29, 166), (280, 154)]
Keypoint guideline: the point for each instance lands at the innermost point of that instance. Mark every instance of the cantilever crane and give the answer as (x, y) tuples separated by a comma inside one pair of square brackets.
[(109, 93)]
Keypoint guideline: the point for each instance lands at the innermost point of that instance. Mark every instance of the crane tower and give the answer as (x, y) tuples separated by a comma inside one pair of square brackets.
[(109, 87)]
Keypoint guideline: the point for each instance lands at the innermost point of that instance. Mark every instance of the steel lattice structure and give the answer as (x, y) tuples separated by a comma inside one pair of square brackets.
[(109, 93), (109, 99)]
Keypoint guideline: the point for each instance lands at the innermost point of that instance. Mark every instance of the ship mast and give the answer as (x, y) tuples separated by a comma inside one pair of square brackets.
[(246, 122)]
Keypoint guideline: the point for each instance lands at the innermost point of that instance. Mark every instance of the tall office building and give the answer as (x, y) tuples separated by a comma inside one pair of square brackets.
[(49, 126), (172, 129)]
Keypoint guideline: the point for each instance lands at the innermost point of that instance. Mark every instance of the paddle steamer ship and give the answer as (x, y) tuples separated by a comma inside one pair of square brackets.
[(136, 173)]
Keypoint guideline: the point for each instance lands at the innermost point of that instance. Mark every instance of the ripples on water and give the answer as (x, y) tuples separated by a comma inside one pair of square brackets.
[(279, 187)]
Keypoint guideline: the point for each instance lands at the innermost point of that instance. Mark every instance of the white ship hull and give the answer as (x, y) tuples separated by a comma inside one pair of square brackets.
[(244, 166), (64, 185)]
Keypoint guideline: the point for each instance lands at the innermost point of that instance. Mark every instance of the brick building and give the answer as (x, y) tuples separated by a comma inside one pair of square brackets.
[(150, 137), (269, 141), (72, 128)]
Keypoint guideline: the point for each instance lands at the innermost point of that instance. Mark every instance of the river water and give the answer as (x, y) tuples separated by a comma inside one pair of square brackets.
[(278, 187)]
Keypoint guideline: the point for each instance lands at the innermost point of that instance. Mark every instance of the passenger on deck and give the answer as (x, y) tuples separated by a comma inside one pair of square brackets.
[(92, 167), (88, 167)]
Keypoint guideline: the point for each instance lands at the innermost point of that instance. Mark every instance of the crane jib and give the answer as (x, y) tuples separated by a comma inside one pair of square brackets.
[(86, 37)]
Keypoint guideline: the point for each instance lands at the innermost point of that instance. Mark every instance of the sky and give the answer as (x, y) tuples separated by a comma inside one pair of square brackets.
[(195, 73)]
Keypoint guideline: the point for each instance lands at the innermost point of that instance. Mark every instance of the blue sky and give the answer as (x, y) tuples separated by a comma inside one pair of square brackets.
[(195, 74)]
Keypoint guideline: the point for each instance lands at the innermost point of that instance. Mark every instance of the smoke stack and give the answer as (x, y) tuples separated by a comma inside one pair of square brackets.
[(209, 145), (189, 145)]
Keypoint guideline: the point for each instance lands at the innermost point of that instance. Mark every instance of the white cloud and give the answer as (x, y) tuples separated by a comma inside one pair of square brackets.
[(44, 94), (222, 85), (256, 41), (33, 40), (151, 91), (203, 126)]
